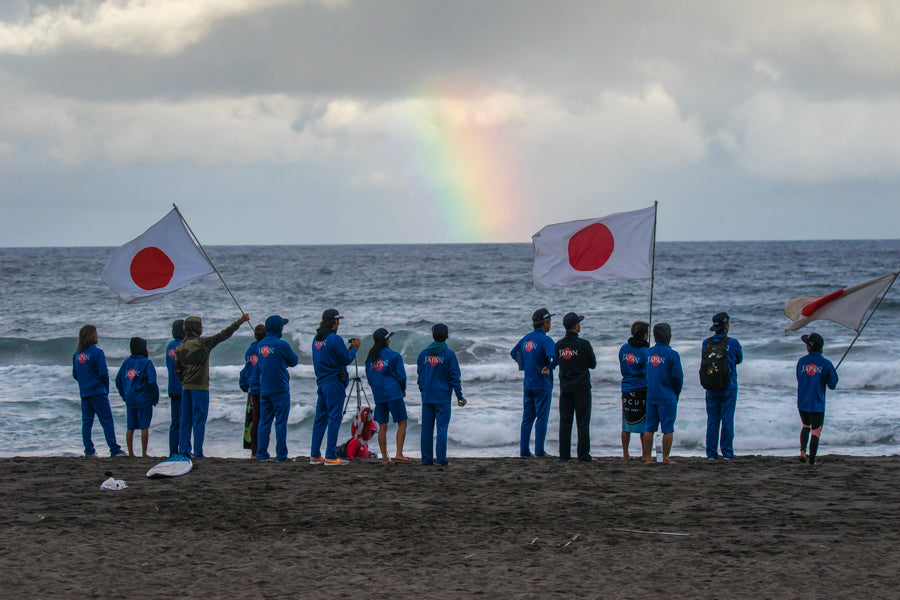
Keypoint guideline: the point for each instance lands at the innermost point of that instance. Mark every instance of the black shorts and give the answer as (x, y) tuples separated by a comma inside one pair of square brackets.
[(813, 420)]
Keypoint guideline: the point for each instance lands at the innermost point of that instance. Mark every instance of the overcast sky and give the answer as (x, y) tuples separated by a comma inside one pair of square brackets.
[(302, 121)]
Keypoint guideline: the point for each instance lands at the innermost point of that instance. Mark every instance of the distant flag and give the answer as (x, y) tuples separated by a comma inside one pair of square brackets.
[(846, 307), (617, 246), (159, 261)]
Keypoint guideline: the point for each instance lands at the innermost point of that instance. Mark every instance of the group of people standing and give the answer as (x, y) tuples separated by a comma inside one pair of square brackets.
[(652, 381)]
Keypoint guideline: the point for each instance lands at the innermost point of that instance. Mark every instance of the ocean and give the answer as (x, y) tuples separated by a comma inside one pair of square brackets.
[(483, 292)]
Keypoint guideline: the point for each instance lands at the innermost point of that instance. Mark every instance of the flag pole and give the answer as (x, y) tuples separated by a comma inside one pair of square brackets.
[(206, 256), (653, 263), (867, 321)]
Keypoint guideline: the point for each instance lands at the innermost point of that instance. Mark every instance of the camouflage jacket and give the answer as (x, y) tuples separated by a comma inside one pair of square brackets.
[(192, 357)]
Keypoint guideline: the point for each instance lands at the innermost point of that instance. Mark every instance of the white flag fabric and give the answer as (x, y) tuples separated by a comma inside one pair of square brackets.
[(846, 307), (159, 261), (617, 246)]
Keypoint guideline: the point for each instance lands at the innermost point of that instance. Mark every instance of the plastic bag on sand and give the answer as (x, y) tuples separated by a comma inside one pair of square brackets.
[(113, 484)]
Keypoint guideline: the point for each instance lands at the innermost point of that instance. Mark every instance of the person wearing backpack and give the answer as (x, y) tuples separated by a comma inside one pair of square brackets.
[(719, 357)]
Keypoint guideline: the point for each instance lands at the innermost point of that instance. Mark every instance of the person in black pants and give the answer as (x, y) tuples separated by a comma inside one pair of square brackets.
[(574, 357)]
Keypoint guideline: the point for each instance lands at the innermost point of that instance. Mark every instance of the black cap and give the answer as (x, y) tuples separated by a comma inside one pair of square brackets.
[(571, 320), (332, 314), (541, 314), (813, 339), (381, 334), (440, 331), (719, 321)]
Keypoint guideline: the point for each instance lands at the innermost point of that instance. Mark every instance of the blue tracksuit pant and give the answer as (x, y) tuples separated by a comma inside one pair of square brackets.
[(175, 425), (98, 405), (536, 413), (435, 450), (194, 409), (277, 407), (720, 410), (329, 403)]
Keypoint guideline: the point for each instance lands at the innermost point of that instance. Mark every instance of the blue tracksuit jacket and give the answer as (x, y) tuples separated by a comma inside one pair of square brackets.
[(387, 376), (249, 378), (331, 357), (89, 370), (274, 356), (174, 382), (438, 374), (633, 366), (665, 376), (534, 352), (814, 372), (136, 382)]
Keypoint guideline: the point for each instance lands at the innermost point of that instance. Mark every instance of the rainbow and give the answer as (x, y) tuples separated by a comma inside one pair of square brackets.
[(469, 181)]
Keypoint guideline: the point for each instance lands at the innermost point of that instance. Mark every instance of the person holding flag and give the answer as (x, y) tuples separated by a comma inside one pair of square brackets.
[(192, 368), (814, 373)]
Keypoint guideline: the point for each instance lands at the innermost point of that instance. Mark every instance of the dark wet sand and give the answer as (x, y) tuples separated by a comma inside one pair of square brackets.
[(755, 527)]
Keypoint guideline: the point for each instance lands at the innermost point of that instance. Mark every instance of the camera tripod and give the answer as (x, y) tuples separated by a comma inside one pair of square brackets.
[(357, 387)]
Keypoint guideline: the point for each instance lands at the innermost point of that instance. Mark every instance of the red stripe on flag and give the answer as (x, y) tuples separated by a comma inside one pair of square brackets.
[(812, 307)]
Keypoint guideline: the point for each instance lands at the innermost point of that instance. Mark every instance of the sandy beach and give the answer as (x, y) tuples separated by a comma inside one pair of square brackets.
[(754, 527)]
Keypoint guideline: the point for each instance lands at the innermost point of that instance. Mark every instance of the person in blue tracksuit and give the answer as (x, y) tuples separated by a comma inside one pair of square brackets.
[(330, 360), (665, 378), (174, 387), (387, 378), (438, 378), (814, 372), (89, 370), (249, 382), (136, 383), (720, 404), (274, 356), (633, 366), (536, 355)]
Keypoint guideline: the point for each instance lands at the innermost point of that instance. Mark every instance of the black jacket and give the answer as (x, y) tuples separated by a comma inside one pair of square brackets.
[(574, 357)]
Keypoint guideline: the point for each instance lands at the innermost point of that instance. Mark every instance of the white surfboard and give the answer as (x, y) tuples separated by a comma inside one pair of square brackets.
[(171, 467)]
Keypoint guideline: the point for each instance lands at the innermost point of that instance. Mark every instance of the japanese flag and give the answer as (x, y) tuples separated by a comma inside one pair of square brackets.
[(846, 307), (159, 261), (617, 246)]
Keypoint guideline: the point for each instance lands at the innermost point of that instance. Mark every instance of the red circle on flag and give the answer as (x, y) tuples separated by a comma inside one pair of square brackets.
[(151, 269), (591, 247)]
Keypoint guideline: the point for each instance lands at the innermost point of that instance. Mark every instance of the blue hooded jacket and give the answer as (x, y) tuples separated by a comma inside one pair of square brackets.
[(633, 366), (534, 352), (387, 376), (331, 357), (438, 374), (89, 370), (174, 382), (136, 382), (665, 376), (274, 356), (814, 372)]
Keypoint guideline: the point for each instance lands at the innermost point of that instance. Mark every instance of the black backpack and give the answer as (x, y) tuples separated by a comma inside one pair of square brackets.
[(342, 449), (715, 375)]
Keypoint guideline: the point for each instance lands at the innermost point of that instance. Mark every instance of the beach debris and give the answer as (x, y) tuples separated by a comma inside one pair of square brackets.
[(651, 532), (532, 545), (468, 556), (569, 543), (41, 517), (112, 483)]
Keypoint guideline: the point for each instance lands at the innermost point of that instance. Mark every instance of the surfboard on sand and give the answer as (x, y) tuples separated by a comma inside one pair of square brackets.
[(171, 467)]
